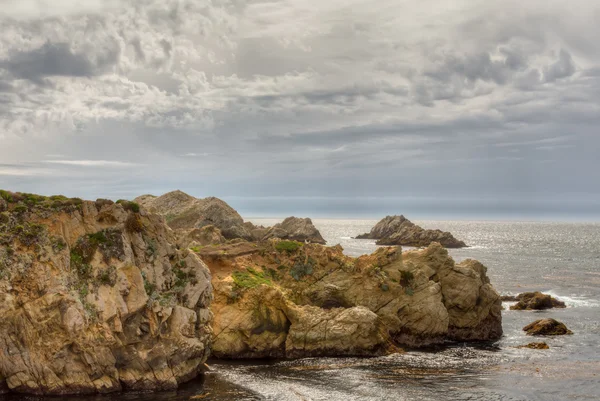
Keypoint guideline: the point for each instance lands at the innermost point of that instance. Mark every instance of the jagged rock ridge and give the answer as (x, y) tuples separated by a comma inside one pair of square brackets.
[(398, 230), (183, 211)]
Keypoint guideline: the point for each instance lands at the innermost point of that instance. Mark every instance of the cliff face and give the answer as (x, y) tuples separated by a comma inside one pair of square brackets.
[(398, 230), (94, 297), (183, 211), (287, 299)]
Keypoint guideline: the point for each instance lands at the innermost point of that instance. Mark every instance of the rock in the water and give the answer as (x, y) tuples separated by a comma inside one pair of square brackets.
[(398, 230), (284, 298), (296, 229), (536, 301), (535, 346), (95, 298), (546, 327), (509, 298)]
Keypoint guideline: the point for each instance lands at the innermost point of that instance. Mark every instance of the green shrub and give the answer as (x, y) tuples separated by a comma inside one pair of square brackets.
[(250, 278), (302, 269), (133, 224), (130, 206), (406, 278), (288, 246)]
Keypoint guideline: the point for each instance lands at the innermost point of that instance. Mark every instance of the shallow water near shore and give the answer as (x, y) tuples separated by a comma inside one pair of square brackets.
[(562, 259)]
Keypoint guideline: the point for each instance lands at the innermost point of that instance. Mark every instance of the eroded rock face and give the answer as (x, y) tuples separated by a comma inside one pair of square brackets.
[(398, 230), (536, 301), (184, 212), (288, 299), (95, 298), (546, 327)]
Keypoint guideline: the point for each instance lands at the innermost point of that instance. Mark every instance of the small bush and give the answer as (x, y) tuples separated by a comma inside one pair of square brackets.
[(288, 246), (128, 205), (406, 278), (250, 278), (301, 269), (133, 224), (108, 276)]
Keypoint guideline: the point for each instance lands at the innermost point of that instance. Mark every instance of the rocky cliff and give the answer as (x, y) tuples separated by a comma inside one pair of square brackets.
[(183, 211), (95, 297), (289, 299), (398, 230)]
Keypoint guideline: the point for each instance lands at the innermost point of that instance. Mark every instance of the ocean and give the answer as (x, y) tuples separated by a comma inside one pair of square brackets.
[(562, 259)]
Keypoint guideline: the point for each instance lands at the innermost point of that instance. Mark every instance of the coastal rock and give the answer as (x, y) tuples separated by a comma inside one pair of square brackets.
[(535, 346), (398, 230), (199, 237), (184, 212), (536, 301), (96, 298), (295, 229), (546, 327), (283, 299)]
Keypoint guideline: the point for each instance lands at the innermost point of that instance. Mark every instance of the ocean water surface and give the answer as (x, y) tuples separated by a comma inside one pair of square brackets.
[(562, 259)]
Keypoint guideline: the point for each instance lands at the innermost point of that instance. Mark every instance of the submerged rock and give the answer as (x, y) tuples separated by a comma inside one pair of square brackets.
[(398, 230), (546, 327), (289, 299), (536, 301), (95, 298), (541, 345)]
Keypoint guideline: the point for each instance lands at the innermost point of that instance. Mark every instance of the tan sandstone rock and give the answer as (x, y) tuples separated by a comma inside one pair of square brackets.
[(95, 297)]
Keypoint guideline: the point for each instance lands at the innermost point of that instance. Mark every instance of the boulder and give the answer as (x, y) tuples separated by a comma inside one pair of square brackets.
[(296, 229), (95, 297), (536, 301), (398, 230), (546, 327)]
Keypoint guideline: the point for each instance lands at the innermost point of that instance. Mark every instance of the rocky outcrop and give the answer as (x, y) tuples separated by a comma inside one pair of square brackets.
[(536, 301), (398, 230), (184, 212), (546, 327), (290, 299), (95, 298), (295, 229), (199, 237)]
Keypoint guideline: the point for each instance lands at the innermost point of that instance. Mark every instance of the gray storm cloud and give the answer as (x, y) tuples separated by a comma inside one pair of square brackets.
[(481, 100)]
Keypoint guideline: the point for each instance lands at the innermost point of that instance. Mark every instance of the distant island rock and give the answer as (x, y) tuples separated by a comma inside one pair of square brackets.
[(183, 211), (398, 230)]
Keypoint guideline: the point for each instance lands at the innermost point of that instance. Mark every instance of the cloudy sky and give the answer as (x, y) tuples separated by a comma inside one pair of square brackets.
[(458, 108)]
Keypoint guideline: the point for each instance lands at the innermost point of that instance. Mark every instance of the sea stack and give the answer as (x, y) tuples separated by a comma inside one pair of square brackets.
[(398, 230)]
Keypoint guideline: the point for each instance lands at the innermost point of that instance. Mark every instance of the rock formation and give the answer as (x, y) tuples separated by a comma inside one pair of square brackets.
[(183, 211), (95, 297), (398, 230), (541, 345), (546, 327), (289, 299), (536, 301)]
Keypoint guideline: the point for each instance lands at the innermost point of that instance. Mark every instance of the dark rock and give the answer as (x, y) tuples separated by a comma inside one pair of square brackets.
[(546, 327), (536, 301), (296, 229), (398, 230), (535, 346)]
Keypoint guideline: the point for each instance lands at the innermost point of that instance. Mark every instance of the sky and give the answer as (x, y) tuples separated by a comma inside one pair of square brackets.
[(353, 108)]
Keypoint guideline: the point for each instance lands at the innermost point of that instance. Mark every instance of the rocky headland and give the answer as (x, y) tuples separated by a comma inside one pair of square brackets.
[(100, 296), (285, 299), (95, 297), (185, 212), (398, 230)]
